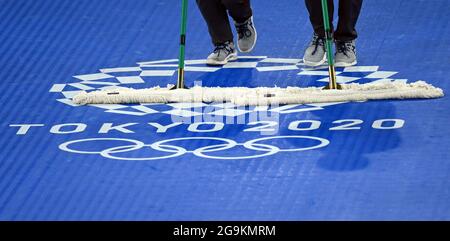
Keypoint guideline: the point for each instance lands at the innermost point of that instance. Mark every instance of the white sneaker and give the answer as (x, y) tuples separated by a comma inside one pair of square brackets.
[(315, 54), (247, 35), (345, 54), (222, 54)]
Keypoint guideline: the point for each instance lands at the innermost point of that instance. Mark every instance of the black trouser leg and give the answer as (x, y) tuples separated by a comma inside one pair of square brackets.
[(316, 17), (215, 14), (240, 10), (348, 16)]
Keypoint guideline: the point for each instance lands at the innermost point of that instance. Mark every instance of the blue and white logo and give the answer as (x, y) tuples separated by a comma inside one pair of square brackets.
[(163, 72), (259, 131)]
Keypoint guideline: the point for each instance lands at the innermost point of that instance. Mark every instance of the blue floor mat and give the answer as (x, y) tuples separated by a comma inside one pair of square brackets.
[(380, 160)]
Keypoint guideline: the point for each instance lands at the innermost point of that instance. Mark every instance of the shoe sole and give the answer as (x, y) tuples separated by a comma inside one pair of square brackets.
[(253, 46), (231, 57), (315, 64)]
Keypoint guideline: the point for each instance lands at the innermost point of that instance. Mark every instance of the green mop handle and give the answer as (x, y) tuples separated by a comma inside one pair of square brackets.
[(180, 81), (329, 46)]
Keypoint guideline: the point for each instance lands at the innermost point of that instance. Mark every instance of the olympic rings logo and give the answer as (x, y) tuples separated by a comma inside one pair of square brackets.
[(167, 146)]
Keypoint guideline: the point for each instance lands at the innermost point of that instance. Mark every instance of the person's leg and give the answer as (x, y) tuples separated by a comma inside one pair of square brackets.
[(241, 12), (316, 17), (216, 17), (348, 16), (345, 35), (315, 54)]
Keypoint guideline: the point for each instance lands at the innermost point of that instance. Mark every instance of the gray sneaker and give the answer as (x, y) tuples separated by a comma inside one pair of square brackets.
[(345, 53), (247, 35), (315, 54), (222, 54)]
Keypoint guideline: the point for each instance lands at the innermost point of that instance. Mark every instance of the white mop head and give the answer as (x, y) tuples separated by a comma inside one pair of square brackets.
[(263, 96)]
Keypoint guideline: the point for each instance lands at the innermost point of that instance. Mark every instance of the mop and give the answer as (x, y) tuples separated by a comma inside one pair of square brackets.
[(262, 96)]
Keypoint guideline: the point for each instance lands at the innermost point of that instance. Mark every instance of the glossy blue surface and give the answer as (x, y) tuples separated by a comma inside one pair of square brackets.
[(377, 170)]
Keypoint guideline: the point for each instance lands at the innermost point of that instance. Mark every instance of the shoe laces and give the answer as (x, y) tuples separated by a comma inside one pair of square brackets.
[(224, 47), (345, 47), (243, 29), (317, 42)]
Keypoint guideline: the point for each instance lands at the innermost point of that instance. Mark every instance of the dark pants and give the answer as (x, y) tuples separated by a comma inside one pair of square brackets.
[(348, 16), (215, 14)]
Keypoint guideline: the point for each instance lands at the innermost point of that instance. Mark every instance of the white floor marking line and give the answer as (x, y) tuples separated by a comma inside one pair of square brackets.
[(110, 107), (71, 94), (195, 61), (240, 65), (157, 73), (158, 61), (130, 80), (277, 68), (145, 109), (252, 57), (380, 75), (124, 112), (228, 112), (281, 61), (68, 102), (93, 76), (182, 113), (120, 70), (97, 83), (81, 86), (159, 66), (316, 73), (340, 79), (57, 88), (200, 69), (361, 69)]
